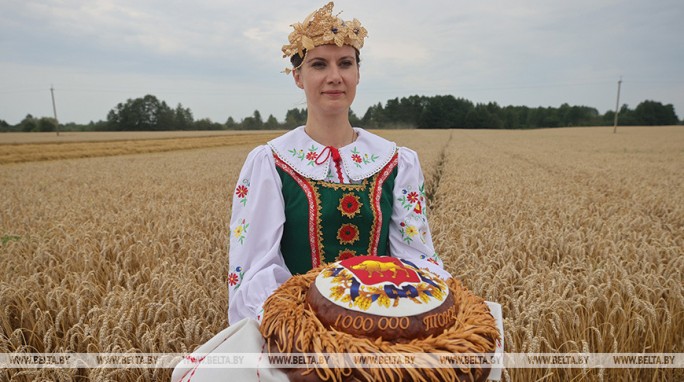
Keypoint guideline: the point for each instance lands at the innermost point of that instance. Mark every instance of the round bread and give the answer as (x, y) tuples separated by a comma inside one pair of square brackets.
[(381, 297), (297, 320)]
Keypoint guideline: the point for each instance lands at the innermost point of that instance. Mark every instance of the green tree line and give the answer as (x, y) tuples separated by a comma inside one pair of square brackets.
[(446, 111), (148, 113)]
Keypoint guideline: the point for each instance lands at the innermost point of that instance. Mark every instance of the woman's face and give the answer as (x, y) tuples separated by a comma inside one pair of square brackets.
[(329, 76)]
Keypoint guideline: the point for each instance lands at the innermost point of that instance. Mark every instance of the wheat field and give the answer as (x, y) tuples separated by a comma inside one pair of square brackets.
[(577, 232)]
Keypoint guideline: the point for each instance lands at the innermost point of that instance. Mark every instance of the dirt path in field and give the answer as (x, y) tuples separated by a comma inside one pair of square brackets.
[(32, 152)]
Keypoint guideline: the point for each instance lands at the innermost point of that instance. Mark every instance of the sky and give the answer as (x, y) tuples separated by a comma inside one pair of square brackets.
[(222, 58)]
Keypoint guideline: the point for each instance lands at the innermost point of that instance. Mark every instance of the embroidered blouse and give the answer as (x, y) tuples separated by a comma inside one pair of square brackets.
[(298, 203)]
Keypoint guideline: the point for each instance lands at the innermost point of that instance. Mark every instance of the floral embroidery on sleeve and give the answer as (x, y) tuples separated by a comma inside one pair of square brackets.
[(235, 278), (433, 259), (408, 232), (412, 201), (241, 192), (240, 231)]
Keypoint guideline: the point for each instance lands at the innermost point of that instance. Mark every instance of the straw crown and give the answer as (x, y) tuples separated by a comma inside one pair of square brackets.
[(323, 28)]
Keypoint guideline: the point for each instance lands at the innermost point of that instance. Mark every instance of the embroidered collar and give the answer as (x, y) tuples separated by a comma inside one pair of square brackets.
[(362, 158)]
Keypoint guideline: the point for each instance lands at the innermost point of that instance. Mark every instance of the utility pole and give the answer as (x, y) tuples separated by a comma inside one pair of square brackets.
[(617, 104), (54, 108)]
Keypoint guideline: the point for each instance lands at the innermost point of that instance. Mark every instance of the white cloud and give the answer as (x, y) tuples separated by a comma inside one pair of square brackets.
[(223, 56)]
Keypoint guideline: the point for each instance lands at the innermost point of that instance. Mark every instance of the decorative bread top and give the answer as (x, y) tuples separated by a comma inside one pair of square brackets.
[(384, 286)]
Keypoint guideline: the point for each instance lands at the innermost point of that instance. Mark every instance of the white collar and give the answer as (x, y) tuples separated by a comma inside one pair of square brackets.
[(367, 155)]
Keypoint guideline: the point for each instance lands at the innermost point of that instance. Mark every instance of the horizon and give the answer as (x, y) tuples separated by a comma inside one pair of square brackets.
[(359, 115)]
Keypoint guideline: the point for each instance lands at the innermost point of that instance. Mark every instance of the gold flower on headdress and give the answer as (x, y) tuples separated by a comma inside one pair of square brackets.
[(322, 28), (335, 33), (356, 33)]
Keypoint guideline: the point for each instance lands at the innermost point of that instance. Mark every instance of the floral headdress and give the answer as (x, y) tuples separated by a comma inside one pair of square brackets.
[(322, 28)]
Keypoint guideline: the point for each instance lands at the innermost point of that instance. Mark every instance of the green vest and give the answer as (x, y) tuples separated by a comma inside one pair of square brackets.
[(327, 222)]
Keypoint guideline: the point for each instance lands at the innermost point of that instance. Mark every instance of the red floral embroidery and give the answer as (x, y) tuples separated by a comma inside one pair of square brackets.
[(349, 205), (418, 208), (241, 191), (348, 234), (346, 254), (357, 158), (311, 155), (412, 197), (434, 259), (233, 279)]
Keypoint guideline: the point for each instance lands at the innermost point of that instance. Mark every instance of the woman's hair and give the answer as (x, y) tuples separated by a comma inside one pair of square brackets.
[(297, 60)]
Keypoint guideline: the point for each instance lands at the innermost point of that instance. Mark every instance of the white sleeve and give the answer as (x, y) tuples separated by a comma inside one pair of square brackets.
[(409, 232), (256, 265)]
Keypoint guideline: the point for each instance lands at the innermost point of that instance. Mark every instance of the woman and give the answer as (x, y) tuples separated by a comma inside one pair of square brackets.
[(321, 192), (324, 191)]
